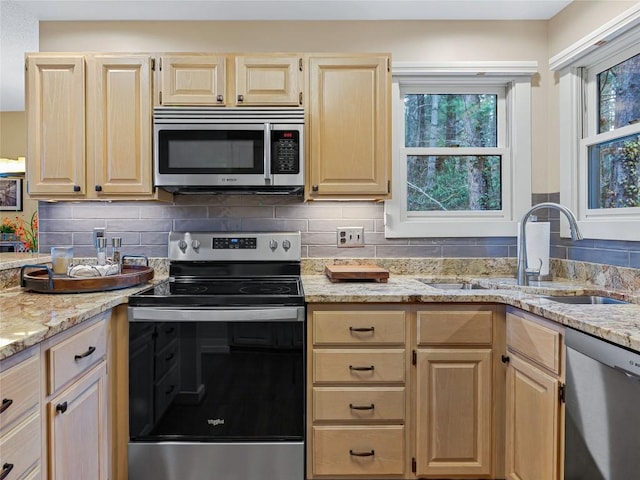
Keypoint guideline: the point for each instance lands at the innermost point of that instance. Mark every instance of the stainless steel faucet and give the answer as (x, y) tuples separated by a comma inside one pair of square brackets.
[(522, 242)]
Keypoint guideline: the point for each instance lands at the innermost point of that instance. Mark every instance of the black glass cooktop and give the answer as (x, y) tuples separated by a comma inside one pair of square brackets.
[(222, 292)]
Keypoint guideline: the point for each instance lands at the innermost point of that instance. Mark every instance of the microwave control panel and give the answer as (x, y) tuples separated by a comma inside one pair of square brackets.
[(285, 151)]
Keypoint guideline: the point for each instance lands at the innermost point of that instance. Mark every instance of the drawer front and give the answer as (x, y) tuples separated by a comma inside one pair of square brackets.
[(358, 366), (76, 355), (358, 450), (357, 328), (450, 327), (20, 447), (36, 474), (359, 404), (165, 391), (19, 390), (536, 342)]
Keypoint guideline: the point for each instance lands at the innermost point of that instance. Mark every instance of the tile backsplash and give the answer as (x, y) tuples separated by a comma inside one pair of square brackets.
[(144, 228)]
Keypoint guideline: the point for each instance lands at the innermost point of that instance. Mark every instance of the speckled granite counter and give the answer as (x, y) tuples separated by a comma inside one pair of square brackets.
[(10, 264), (28, 318), (618, 323)]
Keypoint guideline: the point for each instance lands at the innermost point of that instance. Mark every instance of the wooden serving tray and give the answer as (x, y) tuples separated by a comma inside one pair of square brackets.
[(44, 281), (337, 273)]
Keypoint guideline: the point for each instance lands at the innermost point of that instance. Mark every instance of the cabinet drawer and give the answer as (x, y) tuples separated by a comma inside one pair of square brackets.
[(19, 390), (359, 404), (166, 359), (358, 366), (20, 447), (356, 328), (165, 391), (75, 355), (336, 449), (536, 342), (451, 327)]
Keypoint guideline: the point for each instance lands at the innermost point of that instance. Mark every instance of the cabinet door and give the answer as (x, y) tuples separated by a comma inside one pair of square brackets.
[(55, 125), (119, 125), (268, 80), (532, 423), (193, 79), (453, 412), (349, 127), (78, 436)]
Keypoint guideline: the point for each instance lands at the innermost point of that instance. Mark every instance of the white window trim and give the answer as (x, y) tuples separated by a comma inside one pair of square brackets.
[(606, 42), (516, 78)]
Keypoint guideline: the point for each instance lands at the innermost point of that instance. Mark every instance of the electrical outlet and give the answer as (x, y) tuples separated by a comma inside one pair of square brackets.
[(98, 232), (349, 237)]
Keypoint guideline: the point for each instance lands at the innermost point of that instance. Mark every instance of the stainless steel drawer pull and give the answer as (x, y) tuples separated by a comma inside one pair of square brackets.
[(361, 329), (6, 403), (85, 354), (362, 454), (362, 369), (361, 407)]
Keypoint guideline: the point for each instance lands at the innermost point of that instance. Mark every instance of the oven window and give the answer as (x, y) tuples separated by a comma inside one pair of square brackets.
[(216, 381), (211, 151)]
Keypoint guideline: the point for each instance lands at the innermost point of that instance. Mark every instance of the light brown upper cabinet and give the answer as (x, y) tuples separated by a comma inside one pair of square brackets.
[(348, 127), (192, 80), (231, 80), (89, 127)]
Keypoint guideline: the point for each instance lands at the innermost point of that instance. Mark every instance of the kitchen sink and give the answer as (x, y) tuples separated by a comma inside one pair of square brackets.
[(585, 300), (453, 285)]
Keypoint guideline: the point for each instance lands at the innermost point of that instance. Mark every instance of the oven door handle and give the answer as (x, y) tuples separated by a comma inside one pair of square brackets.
[(151, 314)]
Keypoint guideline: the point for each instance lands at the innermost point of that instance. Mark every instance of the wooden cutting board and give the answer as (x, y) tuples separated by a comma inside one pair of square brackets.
[(337, 273)]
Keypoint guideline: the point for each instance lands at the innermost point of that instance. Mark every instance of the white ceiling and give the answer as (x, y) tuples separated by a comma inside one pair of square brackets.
[(291, 9)]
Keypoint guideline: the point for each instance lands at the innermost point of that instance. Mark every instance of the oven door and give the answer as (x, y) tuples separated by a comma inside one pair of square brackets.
[(224, 155), (219, 389)]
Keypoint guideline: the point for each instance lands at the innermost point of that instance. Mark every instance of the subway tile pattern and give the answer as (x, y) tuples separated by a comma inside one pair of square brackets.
[(145, 226)]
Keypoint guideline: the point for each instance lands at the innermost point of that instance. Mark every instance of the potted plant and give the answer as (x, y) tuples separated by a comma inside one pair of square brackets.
[(7, 230)]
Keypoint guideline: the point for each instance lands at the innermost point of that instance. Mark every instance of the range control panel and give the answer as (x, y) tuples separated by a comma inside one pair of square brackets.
[(242, 246)]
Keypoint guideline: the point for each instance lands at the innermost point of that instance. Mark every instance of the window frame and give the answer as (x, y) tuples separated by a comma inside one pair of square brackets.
[(578, 66), (513, 80)]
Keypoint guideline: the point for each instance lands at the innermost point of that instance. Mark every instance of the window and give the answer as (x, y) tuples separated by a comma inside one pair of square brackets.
[(600, 132), (456, 135)]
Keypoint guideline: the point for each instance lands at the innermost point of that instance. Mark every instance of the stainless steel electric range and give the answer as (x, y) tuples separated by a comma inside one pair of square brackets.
[(216, 354)]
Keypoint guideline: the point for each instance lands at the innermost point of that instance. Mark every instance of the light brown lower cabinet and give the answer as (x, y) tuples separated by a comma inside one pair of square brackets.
[(535, 410), (405, 391)]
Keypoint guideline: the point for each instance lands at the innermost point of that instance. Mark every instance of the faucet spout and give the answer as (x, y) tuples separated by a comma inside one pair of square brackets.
[(521, 274)]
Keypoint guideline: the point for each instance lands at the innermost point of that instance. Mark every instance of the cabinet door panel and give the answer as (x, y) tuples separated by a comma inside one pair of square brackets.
[(78, 429), (119, 119), (349, 126), (56, 135), (266, 80), (193, 79), (532, 423), (453, 412)]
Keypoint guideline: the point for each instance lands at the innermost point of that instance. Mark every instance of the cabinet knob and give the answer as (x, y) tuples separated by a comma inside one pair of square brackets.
[(219, 99), (98, 188), (240, 98), (76, 188), (62, 407), (504, 358), (314, 188)]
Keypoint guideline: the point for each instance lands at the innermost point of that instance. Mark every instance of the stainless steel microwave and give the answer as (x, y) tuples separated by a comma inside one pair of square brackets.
[(228, 150)]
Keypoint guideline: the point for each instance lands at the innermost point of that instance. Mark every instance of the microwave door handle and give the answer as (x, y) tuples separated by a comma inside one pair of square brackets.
[(267, 154)]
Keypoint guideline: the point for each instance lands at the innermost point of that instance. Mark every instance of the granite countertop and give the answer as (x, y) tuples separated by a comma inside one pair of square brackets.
[(28, 318)]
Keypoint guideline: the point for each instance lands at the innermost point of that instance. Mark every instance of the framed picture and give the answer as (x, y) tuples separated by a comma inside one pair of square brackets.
[(11, 194)]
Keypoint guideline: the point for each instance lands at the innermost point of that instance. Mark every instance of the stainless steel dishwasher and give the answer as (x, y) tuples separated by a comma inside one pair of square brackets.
[(602, 431)]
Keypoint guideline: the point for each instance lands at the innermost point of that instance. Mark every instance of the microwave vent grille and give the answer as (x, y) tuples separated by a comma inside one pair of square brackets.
[(227, 115)]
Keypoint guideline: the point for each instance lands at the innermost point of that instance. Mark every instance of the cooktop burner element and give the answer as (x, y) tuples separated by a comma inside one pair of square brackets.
[(229, 269)]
